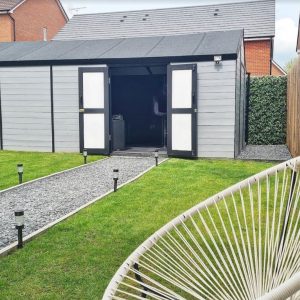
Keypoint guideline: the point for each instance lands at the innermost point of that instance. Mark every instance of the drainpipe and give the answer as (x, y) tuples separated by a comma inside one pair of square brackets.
[(271, 53), (14, 25)]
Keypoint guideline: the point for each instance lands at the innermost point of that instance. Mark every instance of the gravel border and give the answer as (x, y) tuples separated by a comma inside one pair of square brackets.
[(265, 152), (51, 198)]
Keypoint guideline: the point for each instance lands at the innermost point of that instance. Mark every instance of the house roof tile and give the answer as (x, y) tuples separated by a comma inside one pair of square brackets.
[(257, 18)]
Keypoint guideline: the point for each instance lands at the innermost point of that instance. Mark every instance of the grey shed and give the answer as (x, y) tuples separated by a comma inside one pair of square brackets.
[(183, 94)]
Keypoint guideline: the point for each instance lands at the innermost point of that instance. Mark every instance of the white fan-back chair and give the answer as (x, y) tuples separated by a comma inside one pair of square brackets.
[(242, 243)]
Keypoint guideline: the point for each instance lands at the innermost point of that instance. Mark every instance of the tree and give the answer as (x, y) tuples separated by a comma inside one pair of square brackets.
[(289, 64)]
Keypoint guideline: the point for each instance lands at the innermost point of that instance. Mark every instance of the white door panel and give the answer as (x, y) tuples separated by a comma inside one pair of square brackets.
[(182, 132), (93, 131), (93, 90), (182, 89)]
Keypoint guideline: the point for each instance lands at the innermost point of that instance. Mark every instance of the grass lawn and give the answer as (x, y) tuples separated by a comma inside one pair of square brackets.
[(77, 258), (36, 164)]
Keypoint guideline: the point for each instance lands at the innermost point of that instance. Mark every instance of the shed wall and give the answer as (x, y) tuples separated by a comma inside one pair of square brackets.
[(26, 108), (240, 103), (216, 108)]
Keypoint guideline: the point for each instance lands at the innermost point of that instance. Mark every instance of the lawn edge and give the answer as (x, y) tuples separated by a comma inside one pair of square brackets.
[(51, 175), (10, 248)]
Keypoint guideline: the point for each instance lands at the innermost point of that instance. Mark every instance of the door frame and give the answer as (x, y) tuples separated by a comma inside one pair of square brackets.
[(105, 110), (193, 111)]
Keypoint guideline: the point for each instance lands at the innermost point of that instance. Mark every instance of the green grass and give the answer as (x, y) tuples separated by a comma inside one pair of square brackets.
[(36, 164), (77, 258)]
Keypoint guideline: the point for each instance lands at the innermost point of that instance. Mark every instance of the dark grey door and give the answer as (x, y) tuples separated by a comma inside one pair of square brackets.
[(94, 110), (182, 110)]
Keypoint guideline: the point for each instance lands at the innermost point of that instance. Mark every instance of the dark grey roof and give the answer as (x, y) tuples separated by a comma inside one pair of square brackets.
[(211, 43), (257, 18), (8, 4)]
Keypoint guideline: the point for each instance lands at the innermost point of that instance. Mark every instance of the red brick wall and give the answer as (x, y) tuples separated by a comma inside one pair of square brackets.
[(6, 29), (33, 15), (276, 71), (258, 57)]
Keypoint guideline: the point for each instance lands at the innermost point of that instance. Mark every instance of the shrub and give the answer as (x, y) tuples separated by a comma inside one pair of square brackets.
[(267, 110)]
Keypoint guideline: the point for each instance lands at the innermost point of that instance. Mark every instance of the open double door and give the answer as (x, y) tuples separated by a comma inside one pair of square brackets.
[(94, 110)]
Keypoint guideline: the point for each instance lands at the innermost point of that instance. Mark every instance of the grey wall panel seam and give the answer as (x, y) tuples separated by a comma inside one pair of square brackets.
[(52, 109)]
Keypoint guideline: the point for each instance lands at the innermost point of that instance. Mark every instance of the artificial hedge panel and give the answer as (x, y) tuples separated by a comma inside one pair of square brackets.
[(267, 110)]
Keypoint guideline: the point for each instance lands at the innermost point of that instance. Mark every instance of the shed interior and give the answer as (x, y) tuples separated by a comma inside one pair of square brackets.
[(139, 96)]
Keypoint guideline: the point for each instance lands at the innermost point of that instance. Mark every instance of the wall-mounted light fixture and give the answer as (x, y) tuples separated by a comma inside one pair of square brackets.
[(20, 169), (116, 178), (85, 154), (19, 219), (217, 59)]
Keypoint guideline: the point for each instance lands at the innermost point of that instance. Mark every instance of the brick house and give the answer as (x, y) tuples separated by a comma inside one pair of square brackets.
[(30, 20), (277, 70), (257, 18)]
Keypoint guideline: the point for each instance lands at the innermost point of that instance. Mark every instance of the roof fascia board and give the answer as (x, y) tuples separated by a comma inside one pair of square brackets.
[(62, 10), (57, 2), (14, 8), (265, 38), (121, 61), (279, 67)]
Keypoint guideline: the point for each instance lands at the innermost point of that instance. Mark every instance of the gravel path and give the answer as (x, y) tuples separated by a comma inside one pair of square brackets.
[(49, 199), (266, 152)]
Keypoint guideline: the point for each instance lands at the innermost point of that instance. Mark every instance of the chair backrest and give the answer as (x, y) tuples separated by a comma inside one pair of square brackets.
[(242, 243)]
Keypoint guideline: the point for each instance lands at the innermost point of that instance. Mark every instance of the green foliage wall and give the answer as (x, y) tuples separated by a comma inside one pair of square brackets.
[(267, 110)]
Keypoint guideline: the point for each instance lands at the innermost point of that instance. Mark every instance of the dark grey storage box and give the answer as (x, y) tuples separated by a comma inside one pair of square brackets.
[(118, 132)]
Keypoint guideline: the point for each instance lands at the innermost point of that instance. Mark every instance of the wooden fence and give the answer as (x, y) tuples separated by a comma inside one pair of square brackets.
[(293, 109)]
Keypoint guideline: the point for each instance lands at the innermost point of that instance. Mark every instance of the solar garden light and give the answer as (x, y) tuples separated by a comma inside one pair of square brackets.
[(20, 169), (85, 154), (19, 219), (116, 178), (156, 157)]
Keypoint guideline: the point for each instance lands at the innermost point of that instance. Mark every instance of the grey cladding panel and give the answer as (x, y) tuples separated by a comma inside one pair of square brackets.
[(26, 110), (216, 117)]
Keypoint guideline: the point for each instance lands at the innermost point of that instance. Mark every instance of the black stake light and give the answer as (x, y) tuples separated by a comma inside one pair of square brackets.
[(20, 172), (85, 154), (116, 178), (19, 219), (156, 157)]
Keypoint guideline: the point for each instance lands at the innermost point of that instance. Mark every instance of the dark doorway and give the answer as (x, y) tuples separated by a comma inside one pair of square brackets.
[(141, 100)]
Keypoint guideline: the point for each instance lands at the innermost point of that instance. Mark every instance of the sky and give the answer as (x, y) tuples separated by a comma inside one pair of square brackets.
[(287, 17)]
